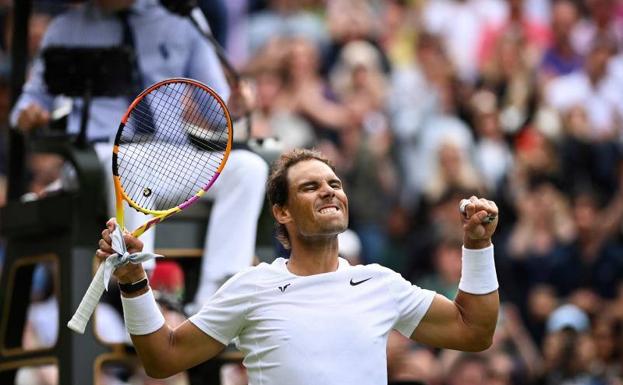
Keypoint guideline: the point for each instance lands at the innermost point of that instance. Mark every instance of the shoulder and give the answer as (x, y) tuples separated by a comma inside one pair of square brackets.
[(251, 278), (173, 23), (376, 270), (391, 279), (67, 20), (249, 274)]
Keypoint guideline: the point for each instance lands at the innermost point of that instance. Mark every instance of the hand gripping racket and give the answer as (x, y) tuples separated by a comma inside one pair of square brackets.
[(171, 145)]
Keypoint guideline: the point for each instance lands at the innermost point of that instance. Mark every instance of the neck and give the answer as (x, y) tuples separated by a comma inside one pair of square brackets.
[(314, 257), (114, 5), (595, 78)]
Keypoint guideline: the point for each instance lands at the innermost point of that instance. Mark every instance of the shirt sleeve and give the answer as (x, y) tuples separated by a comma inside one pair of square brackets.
[(412, 303), (224, 315)]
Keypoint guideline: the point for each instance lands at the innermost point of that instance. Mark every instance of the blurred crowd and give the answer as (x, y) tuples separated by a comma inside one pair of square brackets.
[(423, 102)]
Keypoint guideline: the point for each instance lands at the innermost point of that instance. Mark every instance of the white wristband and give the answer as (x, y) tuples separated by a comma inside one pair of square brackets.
[(142, 314), (478, 273)]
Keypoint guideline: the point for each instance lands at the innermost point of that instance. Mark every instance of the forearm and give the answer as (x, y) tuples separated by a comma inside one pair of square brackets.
[(156, 342), (479, 314), (478, 300), (34, 91), (155, 351), (148, 330), (168, 351), (468, 322), (153, 339)]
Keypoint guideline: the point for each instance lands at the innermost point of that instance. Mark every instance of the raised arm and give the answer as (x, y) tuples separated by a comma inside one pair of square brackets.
[(164, 351), (468, 322)]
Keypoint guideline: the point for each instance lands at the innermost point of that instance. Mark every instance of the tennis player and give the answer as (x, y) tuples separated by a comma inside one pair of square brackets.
[(313, 318)]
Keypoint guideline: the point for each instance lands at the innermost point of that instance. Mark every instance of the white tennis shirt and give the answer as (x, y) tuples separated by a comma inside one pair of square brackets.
[(325, 329)]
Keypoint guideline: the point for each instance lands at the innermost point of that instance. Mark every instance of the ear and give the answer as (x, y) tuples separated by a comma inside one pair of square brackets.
[(281, 214)]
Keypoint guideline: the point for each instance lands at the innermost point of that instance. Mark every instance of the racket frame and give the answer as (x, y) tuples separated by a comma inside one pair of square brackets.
[(121, 195)]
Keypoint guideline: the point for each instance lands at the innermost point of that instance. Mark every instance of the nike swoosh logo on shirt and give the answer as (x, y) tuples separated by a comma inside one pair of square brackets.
[(355, 283)]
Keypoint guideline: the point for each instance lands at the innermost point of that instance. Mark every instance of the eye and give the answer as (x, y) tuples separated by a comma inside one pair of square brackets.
[(336, 184)]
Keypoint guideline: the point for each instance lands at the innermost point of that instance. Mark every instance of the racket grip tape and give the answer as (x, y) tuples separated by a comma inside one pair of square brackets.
[(89, 302)]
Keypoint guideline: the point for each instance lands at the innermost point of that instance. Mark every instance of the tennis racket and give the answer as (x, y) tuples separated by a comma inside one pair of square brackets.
[(171, 146)]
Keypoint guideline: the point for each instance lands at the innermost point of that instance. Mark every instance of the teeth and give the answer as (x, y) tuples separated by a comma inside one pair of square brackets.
[(328, 210)]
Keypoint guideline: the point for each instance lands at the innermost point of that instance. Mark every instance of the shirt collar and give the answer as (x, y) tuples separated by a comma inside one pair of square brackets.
[(282, 264)]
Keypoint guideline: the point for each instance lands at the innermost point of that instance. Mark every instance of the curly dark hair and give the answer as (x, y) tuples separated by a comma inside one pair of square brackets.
[(277, 185)]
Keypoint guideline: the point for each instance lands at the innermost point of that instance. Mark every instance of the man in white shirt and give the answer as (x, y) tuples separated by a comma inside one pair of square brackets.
[(314, 318), (595, 89)]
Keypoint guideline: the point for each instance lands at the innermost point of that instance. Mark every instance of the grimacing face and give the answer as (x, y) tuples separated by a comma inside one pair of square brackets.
[(317, 205)]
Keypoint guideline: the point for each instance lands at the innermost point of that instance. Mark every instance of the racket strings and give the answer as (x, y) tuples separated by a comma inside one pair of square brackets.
[(172, 145), (174, 173), (169, 177)]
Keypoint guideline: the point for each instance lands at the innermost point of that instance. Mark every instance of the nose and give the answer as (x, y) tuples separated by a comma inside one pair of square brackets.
[(326, 191)]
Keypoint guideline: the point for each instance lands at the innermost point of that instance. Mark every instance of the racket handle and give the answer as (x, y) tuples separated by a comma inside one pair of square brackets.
[(89, 302)]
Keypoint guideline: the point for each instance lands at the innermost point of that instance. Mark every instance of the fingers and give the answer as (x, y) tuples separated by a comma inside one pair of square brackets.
[(111, 223), (31, 117), (132, 244), (102, 255), (480, 210), (105, 249), (105, 243), (242, 99), (480, 217)]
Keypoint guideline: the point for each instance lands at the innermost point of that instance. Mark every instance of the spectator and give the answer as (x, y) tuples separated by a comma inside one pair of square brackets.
[(275, 115), (272, 118), (543, 228), (423, 113), (447, 267), (285, 18), (585, 160), (606, 333), (349, 21), (400, 32), (519, 26), (468, 369), (513, 358), (600, 24), (309, 94), (569, 351), (453, 170), (409, 363), (460, 24), (594, 260), (493, 157), (592, 89), (560, 57), (509, 74)]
